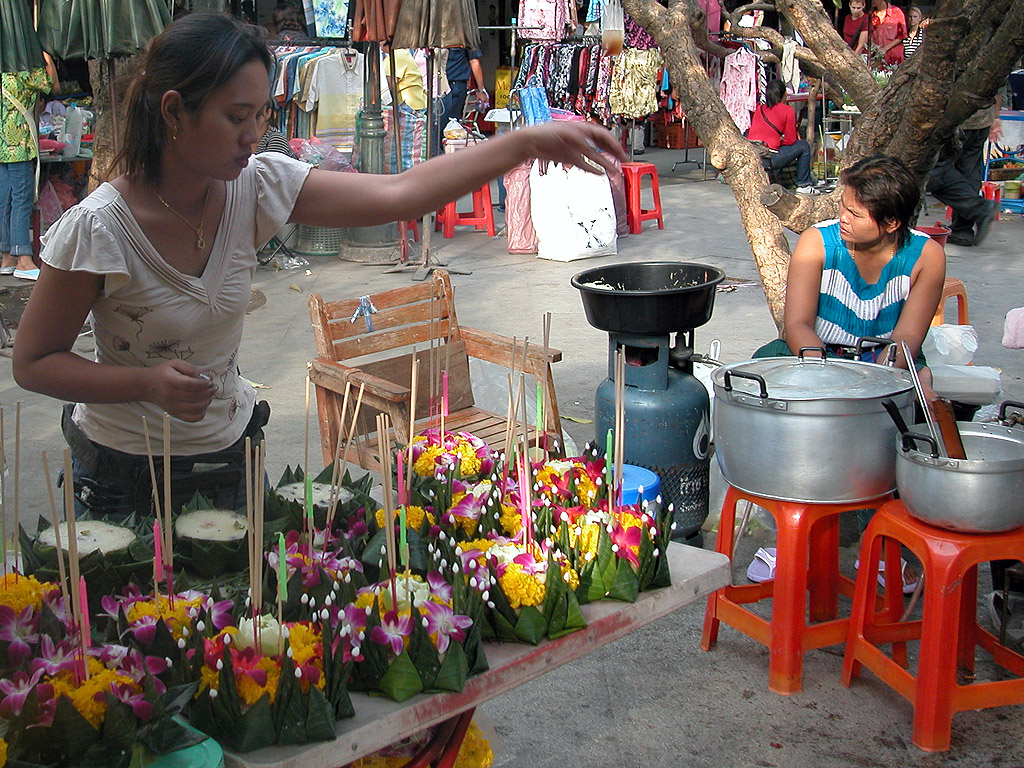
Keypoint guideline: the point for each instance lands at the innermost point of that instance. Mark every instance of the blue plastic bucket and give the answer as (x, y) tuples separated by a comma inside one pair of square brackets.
[(634, 478)]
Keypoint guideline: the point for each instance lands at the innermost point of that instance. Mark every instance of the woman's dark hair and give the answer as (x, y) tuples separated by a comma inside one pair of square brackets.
[(194, 56), (886, 187), (774, 92)]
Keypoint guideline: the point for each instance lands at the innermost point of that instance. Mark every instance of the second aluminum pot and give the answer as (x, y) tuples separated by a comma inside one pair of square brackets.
[(809, 429)]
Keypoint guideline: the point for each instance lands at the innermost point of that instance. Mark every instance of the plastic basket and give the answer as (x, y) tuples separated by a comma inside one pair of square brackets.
[(314, 241)]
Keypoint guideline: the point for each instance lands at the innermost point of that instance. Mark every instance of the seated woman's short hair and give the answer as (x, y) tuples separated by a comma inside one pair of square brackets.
[(774, 93), (887, 188)]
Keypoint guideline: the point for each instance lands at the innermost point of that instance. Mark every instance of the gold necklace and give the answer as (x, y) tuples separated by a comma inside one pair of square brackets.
[(200, 241)]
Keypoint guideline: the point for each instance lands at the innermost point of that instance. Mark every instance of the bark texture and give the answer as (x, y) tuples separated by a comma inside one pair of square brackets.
[(970, 47)]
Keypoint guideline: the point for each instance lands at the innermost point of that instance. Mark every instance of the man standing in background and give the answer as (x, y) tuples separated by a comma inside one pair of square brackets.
[(462, 63), (888, 27)]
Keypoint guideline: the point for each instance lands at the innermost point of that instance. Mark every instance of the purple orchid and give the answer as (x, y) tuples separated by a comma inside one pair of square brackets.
[(439, 588), (15, 690), (132, 662), (18, 630), (392, 631), (445, 624), (144, 629), (53, 658), (125, 693)]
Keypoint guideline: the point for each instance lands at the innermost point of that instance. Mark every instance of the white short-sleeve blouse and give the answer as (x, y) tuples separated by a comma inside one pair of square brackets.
[(149, 312)]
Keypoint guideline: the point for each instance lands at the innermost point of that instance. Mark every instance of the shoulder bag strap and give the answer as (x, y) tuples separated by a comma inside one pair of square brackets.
[(764, 116), (33, 129)]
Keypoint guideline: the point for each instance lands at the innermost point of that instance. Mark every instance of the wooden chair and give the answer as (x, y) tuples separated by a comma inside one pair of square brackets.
[(378, 354)]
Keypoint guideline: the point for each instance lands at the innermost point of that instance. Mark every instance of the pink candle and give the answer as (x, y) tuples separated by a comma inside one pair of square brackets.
[(444, 394), (158, 552), (401, 478), (524, 506)]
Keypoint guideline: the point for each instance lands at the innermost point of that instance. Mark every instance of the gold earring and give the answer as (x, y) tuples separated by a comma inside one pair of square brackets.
[(174, 133)]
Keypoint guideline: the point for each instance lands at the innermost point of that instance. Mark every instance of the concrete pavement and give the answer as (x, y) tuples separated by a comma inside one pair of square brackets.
[(654, 698)]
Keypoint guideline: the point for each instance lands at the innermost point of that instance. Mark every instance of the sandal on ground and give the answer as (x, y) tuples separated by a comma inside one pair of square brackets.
[(762, 567), (7, 270), (909, 576)]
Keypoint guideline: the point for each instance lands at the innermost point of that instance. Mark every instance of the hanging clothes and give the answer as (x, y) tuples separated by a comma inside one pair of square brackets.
[(576, 76), (739, 86), (554, 19), (634, 82), (790, 66)]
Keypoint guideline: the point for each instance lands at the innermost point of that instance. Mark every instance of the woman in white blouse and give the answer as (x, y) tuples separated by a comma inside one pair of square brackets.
[(163, 255)]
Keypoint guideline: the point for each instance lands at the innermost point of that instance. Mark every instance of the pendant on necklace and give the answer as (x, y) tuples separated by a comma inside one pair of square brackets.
[(200, 242)]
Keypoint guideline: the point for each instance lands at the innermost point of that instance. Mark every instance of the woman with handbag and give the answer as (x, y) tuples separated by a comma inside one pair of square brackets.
[(773, 124)]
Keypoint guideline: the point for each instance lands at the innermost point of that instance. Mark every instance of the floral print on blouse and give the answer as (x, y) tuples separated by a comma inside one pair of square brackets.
[(16, 144)]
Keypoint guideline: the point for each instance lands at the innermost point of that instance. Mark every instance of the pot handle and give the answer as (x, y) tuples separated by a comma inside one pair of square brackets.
[(910, 437), (727, 385), (897, 417), (1006, 405), (890, 353), (800, 354)]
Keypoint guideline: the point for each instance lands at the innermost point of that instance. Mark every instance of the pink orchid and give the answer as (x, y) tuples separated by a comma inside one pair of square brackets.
[(127, 694), (131, 662), (18, 630), (53, 658), (444, 624), (144, 629), (219, 614), (439, 588), (392, 631), (16, 690), (246, 662), (529, 563), (627, 540)]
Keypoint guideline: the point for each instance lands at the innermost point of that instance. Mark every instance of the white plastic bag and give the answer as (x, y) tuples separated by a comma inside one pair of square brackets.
[(971, 384), (573, 213), (455, 130), (950, 344)]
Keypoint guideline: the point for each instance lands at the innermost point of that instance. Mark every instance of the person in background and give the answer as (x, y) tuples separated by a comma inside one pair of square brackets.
[(462, 65), (915, 32), (888, 27), (162, 259), (271, 139), (774, 125), (407, 84), (18, 152), (855, 27), (956, 178)]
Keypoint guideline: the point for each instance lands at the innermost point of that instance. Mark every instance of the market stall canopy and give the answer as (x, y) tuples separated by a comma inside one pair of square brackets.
[(19, 45), (98, 29), (437, 24)]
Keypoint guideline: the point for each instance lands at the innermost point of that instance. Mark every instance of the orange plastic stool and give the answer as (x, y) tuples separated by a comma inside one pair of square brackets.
[(481, 217), (635, 215), (948, 629), (803, 529), (950, 289)]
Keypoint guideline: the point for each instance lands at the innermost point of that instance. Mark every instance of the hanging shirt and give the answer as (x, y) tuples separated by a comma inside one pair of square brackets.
[(336, 90), (739, 86), (634, 81), (554, 19), (849, 307), (16, 142)]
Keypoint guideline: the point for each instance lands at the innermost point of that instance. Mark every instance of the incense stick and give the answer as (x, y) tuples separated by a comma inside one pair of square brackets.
[(17, 478), (250, 522), (389, 523), (62, 573), (351, 432), (306, 464), (152, 471), (168, 528), (336, 478), (546, 394), (69, 518)]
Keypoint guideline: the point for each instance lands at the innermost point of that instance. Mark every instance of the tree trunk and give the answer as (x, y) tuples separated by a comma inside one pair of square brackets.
[(109, 78), (970, 48)]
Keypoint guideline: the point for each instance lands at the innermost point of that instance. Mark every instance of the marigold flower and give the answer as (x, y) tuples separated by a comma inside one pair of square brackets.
[(521, 588), (19, 592)]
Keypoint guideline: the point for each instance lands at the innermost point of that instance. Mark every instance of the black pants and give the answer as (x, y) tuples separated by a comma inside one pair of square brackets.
[(956, 181), (117, 484)]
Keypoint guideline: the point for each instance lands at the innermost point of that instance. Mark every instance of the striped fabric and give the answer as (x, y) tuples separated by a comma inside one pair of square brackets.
[(850, 308)]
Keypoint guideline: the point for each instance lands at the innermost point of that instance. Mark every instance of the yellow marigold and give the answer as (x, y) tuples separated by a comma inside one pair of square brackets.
[(365, 599), (3, 753), (511, 519), (249, 692), (571, 577), (628, 521), (84, 697), (521, 588), (413, 517), (208, 678), (19, 592), (424, 465), (475, 751), (585, 488), (469, 462), (176, 618), (584, 538), (304, 642)]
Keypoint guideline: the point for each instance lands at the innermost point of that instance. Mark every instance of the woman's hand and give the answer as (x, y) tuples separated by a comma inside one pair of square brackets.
[(584, 145), (178, 388)]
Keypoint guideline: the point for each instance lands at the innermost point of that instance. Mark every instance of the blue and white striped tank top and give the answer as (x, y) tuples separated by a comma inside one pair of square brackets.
[(850, 308)]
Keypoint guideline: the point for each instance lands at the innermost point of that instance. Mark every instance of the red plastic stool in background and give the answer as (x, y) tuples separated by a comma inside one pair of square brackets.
[(481, 217), (635, 215), (413, 225), (992, 190), (948, 629), (807, 561)]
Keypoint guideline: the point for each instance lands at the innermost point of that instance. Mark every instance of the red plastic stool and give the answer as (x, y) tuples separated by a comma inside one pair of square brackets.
[(481, 217), (948, 630), (993, 190), (635, 215), (803, 529), (413, 226)]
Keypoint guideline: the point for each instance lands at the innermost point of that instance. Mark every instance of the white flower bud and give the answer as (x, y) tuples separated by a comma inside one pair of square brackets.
[(184, 632), (201, 626), (640, 491), (169, 661), (485, 595), (220, 664), (444, 563), (472, 582), (290, 653), (673, 526), (181, 643), (455, 567), (490, 604), (312, 602), (615, 547), (304, 599), (656, 553), (654, 531), (355, 650), (329, 600), (424, 622), (227, 639), (213, 693), (298, 672)]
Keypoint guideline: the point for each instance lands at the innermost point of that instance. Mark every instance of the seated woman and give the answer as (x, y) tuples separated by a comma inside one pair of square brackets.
[(774, 125), (866, 273)]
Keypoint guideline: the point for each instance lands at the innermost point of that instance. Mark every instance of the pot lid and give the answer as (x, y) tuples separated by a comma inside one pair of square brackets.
[(792, 378)]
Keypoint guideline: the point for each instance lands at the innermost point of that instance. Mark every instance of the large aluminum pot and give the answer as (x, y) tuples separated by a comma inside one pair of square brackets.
[(809, 429), (983, 493)]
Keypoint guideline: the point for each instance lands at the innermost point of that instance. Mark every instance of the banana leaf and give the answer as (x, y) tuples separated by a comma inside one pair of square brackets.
[(98, 29), (207, 558), (20, 49), (402, 680), (293, 512)]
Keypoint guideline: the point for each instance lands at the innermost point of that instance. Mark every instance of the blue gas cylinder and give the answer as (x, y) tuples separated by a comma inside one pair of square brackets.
[(667, 426)]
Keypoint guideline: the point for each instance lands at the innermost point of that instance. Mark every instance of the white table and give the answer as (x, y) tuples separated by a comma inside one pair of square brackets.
[(379, 722)]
